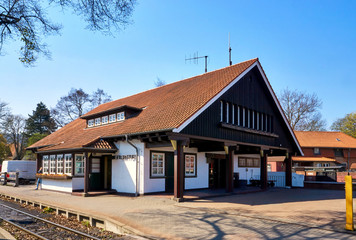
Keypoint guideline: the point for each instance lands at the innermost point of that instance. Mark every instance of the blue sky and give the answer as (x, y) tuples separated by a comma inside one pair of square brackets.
[(304, 45)]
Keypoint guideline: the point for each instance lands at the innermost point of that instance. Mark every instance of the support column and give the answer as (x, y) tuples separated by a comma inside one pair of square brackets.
[(288, 164), (263, 169), (178, 171), (86, 174), (229, 169)]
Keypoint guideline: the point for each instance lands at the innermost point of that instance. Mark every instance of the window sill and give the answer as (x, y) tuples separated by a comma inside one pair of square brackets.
[(247, 130), (54, 176)]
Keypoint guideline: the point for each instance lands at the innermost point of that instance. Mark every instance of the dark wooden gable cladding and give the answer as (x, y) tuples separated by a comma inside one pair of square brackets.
[(251, 93)]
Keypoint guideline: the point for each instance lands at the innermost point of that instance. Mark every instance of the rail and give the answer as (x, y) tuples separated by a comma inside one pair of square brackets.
[(42, 220), (5, 177)]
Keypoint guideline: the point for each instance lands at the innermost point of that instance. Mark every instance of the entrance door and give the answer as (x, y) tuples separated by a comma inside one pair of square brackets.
[(169, 172), (100, 173), (217, 173)]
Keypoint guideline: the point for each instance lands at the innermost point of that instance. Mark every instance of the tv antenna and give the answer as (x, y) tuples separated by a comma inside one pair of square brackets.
[(196, 58), (230, 62)]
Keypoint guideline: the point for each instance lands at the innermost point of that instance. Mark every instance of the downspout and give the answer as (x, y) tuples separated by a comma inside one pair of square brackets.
[(136, 185)]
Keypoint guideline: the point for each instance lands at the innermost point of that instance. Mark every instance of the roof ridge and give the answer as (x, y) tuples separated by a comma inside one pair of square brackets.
[(169, 84)]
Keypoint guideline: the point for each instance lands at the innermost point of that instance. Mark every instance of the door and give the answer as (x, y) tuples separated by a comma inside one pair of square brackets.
[(95, 176), (217, 173), (169, 172)]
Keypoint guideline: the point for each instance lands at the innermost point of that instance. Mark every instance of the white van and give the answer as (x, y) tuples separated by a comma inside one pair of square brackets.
[(26, 169)]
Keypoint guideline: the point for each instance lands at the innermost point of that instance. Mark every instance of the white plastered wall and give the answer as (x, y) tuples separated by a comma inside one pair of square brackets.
[(246, 173), (57, 185), (124, 171), (158, 184)]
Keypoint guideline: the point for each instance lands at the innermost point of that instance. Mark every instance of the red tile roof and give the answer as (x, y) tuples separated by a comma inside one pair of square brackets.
[(164, 108), (325, 139)]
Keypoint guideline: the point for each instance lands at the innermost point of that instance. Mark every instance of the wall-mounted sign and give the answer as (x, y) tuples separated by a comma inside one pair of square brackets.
[(126, 157)]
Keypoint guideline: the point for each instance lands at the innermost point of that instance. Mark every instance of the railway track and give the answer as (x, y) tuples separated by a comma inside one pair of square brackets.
[(38, 227)]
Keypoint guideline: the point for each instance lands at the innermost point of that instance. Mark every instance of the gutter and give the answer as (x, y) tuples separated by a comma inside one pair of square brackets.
[(136, 184)]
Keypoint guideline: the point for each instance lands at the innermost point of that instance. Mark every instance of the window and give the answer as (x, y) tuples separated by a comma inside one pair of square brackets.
[(91, 123), (52, 164), (326, 164), (269, 167), (233, 114), (316, 151), (68, 164), (338, 152), (238, 116), (121, 116), (318, 164), (190, 165), (79, 165), (104, 120), (258, 121), (112, 118), (221, 111), (97, 121), (157, 165), (243, 117), (95, 165), (60, 164), (45, 164), (227, 112), (249, 162)]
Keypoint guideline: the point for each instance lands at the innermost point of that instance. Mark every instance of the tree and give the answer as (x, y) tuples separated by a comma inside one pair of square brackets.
[(14, 131), (99, 97), (3, 110), (346, 125), (40, 121), (302, 110), (159, 82), (31, 140), (27, 21), (70, 107), (4, 149)]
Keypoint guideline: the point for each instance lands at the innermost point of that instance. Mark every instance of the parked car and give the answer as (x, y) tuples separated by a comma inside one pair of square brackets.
[(26, 169)]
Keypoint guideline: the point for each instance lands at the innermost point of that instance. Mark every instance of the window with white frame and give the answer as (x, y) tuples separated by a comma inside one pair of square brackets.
[(104, 120), (316, 151), (221, 111), (60, 163), (79, 165), (97, 121), (121, 116), (190, 165), (233, 114), (157, 165), (227, 112), (52, 164), (45, 164), (68, 164), (243, 117), (91, 123), (112, 118)]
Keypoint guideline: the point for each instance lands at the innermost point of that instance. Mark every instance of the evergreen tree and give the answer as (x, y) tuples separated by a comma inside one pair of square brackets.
[(40, 121)]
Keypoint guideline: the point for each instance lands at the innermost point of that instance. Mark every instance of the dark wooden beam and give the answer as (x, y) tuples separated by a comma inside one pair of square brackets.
[(158, 144), (230, 170), (86, 173), (263, 173), (288, 164), (179, 171)]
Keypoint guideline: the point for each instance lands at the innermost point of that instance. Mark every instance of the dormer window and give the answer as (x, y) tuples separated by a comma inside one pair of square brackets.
[(91, 123), (104, 120), (97, 121), (316, 151), (112, 118), (121, 116)]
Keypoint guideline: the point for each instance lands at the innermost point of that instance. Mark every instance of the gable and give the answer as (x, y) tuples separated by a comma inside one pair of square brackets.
[(251, 94)]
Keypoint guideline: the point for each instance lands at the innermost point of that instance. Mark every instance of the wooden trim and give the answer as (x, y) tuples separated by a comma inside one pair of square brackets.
[(195, 165), (248, 130), (53, 176)]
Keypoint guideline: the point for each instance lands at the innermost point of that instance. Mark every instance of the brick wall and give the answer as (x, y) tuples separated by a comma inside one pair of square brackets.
[(341, 176)]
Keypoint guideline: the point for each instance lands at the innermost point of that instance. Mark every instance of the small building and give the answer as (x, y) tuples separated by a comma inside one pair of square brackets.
[(325, 154), (191, 134)]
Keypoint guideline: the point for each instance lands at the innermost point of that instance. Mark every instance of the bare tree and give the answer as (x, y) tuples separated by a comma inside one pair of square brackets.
[(302, 110), (27, 21), (14, 131), (159, 82), (71, 107), (99, 97), (3, 110)]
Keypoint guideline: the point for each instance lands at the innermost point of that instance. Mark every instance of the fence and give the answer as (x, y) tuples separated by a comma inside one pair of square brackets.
[(6, 177), (279, 179)]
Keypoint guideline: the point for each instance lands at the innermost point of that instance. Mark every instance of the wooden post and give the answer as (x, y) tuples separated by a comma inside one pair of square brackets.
[(263, 170), (5, 178), (349, 204), (17, 180), (288, 163), (178, 171), (230, 170), (86, 174)]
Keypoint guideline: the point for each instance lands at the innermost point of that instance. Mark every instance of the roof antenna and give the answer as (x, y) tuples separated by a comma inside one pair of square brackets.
[(196, 59), (230, 62)]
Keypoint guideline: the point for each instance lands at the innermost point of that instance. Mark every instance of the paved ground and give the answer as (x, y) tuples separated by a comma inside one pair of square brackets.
[(274, 214)]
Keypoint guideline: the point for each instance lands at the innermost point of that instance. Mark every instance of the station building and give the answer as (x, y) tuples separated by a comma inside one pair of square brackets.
[(197, 133)]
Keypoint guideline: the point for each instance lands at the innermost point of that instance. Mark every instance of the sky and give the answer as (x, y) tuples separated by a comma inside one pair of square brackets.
[(305, 45)]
